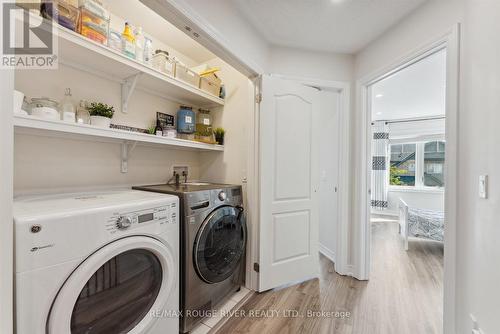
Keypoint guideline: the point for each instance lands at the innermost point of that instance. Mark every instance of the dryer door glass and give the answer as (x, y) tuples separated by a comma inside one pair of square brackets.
[(220, 244), (119, 295)]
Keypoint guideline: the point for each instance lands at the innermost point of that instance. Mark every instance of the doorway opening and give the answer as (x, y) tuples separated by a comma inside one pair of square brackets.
[(363, 258), (408, 113)]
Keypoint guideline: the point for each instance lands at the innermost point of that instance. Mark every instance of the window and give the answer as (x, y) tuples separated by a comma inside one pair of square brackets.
[(417, 164), (403, 164), (434, 164)]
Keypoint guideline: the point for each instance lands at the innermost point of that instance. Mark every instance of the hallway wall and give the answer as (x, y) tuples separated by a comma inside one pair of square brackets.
[(478, 249), (432, 20)]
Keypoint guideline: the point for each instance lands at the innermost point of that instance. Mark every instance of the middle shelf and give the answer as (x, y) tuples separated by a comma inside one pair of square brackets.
[(35, 126)]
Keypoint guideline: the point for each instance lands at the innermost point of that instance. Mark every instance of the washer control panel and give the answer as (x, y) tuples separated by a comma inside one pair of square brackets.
[(122, 221), (222, 195)]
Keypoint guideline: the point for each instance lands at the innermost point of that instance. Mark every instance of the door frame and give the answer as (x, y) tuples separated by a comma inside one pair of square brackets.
[(6, 198), (450, 41), (6, 202), (344, 89)]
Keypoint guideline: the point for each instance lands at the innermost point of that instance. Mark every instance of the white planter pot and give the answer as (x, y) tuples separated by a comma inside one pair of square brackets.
[(100, 121)]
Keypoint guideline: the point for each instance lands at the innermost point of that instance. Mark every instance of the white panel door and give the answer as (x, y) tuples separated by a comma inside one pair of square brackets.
[(288, 183)]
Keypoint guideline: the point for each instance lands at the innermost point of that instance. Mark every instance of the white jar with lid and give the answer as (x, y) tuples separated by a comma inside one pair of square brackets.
[(45, 108)]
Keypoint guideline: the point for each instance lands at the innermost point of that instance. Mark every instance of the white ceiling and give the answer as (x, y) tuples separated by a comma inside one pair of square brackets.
[(344, 26), (416, 91)]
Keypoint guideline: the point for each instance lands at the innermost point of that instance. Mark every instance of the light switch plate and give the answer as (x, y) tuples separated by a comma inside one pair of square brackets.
[(483, 186)]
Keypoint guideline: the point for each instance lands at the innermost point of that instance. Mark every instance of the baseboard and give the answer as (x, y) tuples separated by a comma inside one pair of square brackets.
[(385, 214), (350, 270), (327, 252)]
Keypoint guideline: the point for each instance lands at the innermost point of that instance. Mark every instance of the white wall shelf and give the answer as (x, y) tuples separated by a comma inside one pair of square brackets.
[(48, 128), (84, 54)]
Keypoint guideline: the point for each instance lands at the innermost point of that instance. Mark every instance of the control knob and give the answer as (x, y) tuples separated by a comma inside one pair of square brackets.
[(123, 222), (222, 196)]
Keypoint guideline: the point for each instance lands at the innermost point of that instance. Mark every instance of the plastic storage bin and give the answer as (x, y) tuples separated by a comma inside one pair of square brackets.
[(93, 26), (210, 84), (95, 7), (163, 63), (185, 74), (66, 14)]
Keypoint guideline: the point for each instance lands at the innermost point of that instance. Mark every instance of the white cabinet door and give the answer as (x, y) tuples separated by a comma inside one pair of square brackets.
[(288, 183)]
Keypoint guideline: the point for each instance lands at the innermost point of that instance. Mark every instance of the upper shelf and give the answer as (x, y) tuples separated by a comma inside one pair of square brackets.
[(80, 52), (37, 126)]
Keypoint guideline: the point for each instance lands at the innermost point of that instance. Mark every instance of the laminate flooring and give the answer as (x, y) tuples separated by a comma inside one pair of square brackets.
[(403, 296)]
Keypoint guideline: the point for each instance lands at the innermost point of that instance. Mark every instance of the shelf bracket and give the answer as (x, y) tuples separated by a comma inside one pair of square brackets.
[(128, 87), (127, 149)]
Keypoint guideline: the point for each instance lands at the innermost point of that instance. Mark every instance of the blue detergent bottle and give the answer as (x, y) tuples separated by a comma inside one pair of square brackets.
[(186, 120)]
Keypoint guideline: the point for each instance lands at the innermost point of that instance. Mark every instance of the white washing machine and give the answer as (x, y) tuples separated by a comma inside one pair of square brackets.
[(97, 263)]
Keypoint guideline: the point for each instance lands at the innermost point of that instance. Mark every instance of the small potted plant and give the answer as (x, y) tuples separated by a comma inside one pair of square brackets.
[(219, 135), (100, 114)]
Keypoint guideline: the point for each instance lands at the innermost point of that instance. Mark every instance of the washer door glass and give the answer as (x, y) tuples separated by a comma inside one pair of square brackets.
[(119, 294), (220, 244)]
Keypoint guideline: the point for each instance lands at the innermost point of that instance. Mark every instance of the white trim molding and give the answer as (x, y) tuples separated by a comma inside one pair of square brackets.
[(6, 198), (450, 41), (328, 253)]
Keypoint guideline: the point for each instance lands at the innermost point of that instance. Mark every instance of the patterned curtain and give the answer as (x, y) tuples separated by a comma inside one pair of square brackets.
[(380, 165)]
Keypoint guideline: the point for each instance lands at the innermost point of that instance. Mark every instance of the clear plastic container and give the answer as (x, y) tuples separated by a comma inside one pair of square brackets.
[(115, 40), (163, 63), (185, 74), (96, 7), (93, 26), (66, 14)]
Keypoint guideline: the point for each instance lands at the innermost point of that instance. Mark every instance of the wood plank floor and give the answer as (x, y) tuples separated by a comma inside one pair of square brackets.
[(403, 296)]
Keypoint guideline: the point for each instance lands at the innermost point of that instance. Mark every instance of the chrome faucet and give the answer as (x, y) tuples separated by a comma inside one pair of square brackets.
[(177, 178)]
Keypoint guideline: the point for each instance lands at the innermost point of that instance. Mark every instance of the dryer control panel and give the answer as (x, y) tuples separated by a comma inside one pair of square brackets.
[(130, 220)]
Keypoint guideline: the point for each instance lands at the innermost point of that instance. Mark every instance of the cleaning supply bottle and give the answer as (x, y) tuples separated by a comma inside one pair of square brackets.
[(148, 51), (128, 42), (140, 42), (67, 106)]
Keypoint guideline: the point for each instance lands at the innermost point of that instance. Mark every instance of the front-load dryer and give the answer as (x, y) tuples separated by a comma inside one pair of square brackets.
[(97, 263)]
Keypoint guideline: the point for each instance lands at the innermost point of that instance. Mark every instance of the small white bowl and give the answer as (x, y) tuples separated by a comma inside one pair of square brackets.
[(46, 113)]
